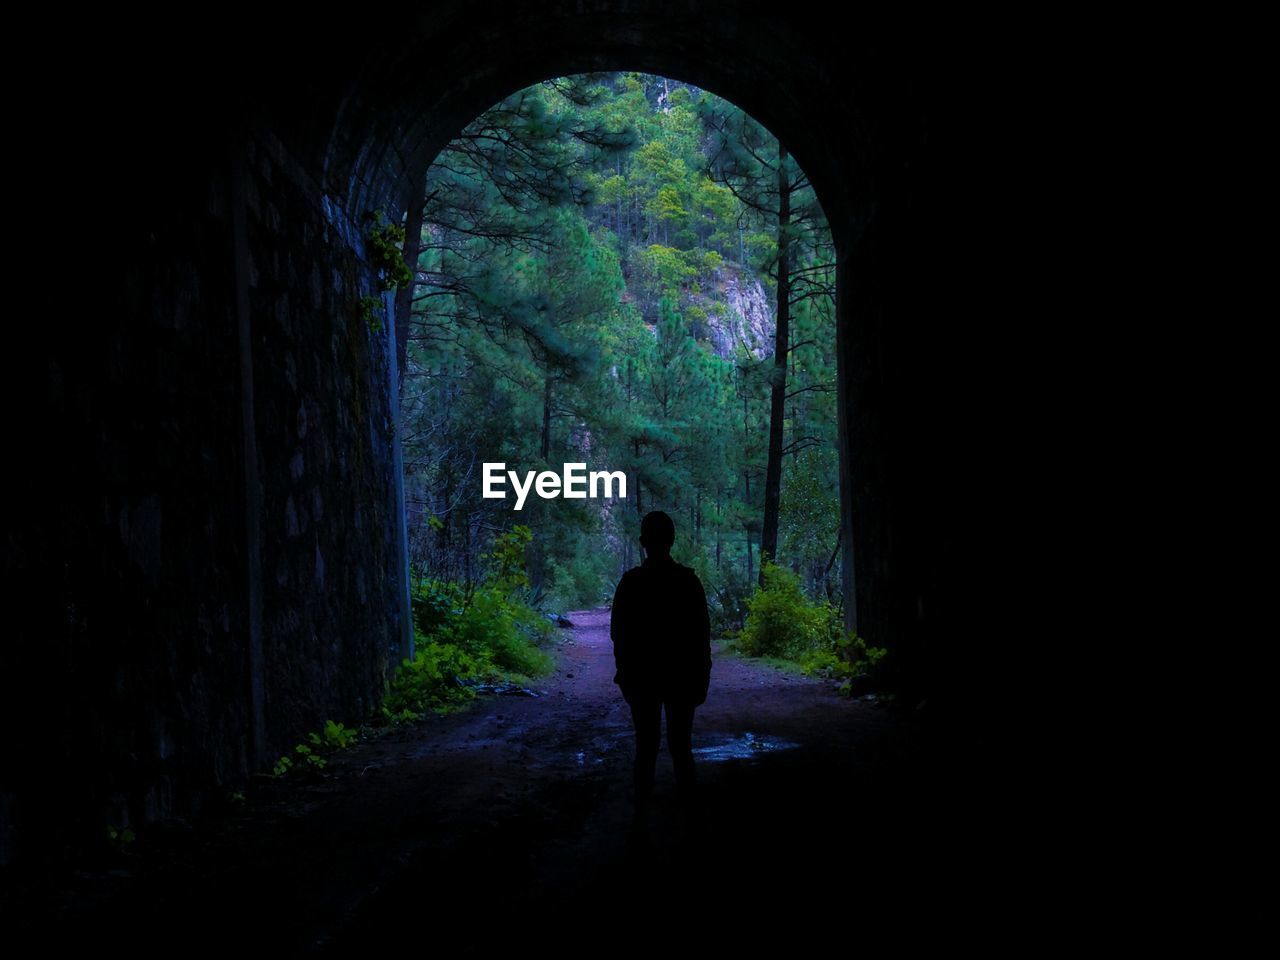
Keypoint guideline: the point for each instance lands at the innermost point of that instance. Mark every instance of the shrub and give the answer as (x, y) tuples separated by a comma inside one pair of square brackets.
[(782, 622), (463, 638), (436, 604), (500, 631), (574, 584), (334, 736), (728, 593), (431, 680)]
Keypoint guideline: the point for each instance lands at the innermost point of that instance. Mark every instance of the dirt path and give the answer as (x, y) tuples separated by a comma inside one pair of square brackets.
[(486, 826)]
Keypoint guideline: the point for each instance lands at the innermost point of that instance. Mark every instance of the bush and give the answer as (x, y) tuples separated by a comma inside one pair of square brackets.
[(782, 622), (574, 584), (501, 632), (431, 680), (728, 594), (465, 638), (437, 604)]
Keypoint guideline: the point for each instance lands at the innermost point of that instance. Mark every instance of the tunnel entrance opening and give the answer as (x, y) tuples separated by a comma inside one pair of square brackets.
[(628, 273), (374, 172)]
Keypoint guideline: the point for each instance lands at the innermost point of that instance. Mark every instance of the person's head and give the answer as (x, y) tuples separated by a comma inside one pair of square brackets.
[(657, 533)]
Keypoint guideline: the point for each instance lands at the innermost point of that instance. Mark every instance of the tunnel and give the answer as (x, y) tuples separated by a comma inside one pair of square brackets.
[(214, 548)]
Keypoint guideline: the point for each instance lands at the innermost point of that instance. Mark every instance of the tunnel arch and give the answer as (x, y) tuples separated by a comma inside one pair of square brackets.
[(389, 125), (404, 109), (371, 184), (238, 169)]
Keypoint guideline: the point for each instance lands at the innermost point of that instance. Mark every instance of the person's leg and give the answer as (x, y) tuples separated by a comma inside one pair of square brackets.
[(680, 742), (646, 717)]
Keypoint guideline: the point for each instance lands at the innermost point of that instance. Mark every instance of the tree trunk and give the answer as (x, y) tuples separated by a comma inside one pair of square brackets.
[(635, 451), (466, 552), (835, 552), (546, 420), (797, 428), (778, 391), (617, 206), (404, 296)]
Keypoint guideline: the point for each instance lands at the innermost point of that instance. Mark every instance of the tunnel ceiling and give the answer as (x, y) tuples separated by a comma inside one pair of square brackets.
[(376, 117)]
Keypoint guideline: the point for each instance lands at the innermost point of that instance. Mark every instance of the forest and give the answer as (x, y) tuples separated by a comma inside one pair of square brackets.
[(628, 272)]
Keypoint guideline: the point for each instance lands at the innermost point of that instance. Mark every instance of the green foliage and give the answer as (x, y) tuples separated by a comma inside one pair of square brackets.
[(579, 581), (666, 205), (589, 244), (465, 637), (334, 736), (371, 313), (386, 256), (507, 558), (311, 756), (863, 657), (436, 604), (403, 716), (501, 632), (666, 267), (430, 681), (120, 838), (848, 658), (386, 253), (728, 599), (782, 622)]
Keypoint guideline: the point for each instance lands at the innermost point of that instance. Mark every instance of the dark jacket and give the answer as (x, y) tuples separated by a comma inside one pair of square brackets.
[(661, 633)]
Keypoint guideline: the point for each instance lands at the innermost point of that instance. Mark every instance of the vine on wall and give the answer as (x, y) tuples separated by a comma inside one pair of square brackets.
[(386, 255)]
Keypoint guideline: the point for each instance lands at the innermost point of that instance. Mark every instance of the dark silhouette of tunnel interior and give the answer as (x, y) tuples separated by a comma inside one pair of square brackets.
[(213, 549)]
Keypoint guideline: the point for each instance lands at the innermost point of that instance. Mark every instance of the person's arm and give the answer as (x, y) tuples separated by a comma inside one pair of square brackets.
[(619, 621), (702, 618)]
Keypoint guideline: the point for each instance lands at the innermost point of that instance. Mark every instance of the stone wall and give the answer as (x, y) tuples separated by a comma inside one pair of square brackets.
[(201, 603), (330, 567)]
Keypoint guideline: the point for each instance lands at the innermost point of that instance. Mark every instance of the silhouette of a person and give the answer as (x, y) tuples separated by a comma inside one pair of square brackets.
[(661, 636)]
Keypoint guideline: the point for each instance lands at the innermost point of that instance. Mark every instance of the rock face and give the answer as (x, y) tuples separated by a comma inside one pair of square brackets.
[(739, 312)]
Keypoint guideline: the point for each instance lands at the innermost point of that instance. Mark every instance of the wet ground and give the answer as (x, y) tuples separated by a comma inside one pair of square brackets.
[(505, 826)]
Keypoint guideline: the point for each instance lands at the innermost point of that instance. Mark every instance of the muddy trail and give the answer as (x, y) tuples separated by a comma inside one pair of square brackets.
[(505, 826)]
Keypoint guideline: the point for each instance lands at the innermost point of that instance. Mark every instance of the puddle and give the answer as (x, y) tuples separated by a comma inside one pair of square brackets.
[(595, 753), (748, 746), (503, 689), (745, 747)]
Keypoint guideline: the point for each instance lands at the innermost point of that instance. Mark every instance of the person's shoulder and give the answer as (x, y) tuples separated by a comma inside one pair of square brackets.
[(689, 574)]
